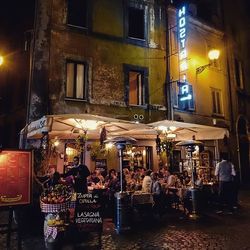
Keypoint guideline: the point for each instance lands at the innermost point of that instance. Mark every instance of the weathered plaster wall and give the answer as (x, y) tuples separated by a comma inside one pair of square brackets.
[(38, 96), (105, 50)]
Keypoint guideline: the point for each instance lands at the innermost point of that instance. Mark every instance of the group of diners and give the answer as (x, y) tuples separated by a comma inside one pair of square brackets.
[(165, 187), (168, 189), (143, 180)]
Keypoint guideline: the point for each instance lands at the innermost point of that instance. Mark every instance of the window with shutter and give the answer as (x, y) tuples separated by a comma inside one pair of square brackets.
[(216, 102), (76, 80)]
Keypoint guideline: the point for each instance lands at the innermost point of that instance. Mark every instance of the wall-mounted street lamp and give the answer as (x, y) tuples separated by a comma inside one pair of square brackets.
[(213, 55)]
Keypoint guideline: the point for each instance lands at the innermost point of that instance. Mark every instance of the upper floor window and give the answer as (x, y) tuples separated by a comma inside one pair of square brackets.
[(136, 86), (238, 73), (77, 13), (76, 85), (136, 23), (216, 102)]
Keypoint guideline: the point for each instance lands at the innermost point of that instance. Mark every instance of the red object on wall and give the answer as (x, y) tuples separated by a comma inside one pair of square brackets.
[(15, 177)]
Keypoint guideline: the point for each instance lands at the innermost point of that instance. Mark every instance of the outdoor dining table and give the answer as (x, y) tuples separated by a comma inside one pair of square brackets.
[(141, 198)]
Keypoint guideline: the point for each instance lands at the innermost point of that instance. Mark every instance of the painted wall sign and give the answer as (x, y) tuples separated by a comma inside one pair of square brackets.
[(15, 177)]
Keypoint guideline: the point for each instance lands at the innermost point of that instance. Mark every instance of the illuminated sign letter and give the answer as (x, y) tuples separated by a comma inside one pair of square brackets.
[(184, 89), (182, 22), (182, 32), (183, 54), (186, 93), (182, 11)]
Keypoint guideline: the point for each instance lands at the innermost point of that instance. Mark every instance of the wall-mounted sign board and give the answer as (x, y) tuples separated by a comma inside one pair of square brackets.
[(15, 177)]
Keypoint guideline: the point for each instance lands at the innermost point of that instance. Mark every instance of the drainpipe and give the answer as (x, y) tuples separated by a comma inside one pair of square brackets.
[(31, 64), (168, 92)]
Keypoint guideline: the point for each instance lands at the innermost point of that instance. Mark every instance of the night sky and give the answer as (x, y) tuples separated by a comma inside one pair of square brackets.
[(16, 16)]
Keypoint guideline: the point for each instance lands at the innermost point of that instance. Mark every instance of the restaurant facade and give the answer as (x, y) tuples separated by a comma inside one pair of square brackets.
[(101, 76)]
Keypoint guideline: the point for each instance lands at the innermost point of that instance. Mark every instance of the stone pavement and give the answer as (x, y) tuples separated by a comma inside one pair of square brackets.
[(173, 231)]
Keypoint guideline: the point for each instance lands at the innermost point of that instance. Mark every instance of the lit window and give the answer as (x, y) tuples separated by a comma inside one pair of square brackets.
[(216, 102), (76, 86), (136, 85), (71, 151), (77, 13), (136, 89)]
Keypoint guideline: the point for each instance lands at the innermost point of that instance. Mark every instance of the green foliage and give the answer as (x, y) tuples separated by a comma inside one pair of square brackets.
[(97, 150)]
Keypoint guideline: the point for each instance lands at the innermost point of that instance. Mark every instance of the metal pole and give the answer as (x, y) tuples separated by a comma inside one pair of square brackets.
[(120, 160), (120, 148), (192, 170)]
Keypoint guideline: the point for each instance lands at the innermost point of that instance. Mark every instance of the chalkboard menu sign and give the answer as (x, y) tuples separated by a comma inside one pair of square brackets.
[(88, 213), (15, 177)]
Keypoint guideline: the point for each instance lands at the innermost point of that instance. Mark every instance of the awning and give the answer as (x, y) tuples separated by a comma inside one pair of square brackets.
[(71, 125), (188, 131)]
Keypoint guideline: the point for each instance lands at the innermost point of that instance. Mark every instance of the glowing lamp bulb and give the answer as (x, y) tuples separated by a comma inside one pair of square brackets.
[(213, 54)]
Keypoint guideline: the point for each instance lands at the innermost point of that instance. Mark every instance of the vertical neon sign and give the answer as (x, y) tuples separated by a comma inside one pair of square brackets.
[(182, 34), (185, 89)]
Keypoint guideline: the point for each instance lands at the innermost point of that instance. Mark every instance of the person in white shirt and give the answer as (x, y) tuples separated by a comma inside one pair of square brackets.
[(225, 172), (156, 192), (147, 182), (171, 180)]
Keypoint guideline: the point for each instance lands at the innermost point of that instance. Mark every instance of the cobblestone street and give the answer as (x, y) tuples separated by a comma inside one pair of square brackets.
[(173, 231)]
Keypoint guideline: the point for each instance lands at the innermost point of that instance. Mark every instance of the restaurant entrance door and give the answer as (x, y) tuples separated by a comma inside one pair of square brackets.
[(137, 157)]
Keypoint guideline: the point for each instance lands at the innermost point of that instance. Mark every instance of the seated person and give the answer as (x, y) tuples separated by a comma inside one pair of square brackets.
[(99, 176), (147, 182), (93, 178), (185, 178), (171, 180)]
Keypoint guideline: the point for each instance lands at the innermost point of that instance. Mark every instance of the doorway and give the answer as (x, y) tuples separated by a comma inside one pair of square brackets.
[(243, 150)]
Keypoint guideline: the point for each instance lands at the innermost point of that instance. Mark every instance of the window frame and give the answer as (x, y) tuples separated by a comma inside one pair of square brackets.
[(216, 107), (134, 40), (86, 17), (238, 69), (144, 77), (85, 80)]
